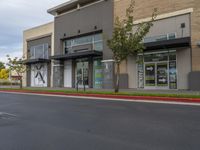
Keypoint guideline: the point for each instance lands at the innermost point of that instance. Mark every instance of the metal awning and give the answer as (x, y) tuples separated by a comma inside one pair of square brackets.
[(76, 55), (174, 43), (34, 61)]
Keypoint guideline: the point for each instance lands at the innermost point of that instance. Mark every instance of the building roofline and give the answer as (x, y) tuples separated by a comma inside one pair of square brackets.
[(54, 9), (69, 6), (38, 26)]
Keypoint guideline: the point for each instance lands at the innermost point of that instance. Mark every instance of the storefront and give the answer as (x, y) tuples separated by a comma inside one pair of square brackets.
[(157, 70), (89, 73), (39, 64)]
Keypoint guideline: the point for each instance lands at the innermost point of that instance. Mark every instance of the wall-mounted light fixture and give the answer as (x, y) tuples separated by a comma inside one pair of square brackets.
[(182, 27), (95, 27)]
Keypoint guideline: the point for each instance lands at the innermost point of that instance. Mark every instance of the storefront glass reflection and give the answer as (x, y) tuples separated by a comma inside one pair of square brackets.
[(157, 70)]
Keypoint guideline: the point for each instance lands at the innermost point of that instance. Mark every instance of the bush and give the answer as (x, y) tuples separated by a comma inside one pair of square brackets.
[(8, 83)]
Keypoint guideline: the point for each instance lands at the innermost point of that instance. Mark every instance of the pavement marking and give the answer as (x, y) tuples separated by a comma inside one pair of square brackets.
[(107, 99), (4, 115), (9, 114)]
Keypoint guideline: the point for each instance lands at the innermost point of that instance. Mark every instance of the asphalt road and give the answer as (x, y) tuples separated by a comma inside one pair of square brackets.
[(53, 123)]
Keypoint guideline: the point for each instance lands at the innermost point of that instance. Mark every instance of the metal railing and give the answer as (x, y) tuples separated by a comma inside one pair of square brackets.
[(77, 85)]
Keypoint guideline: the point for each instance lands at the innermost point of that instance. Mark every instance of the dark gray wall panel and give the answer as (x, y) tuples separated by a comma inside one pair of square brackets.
[(100, 15), (194, 81), (123, 81)]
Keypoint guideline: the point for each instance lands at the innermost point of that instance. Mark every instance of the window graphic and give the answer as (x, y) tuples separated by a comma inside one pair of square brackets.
[(150, 75), (39, 75)]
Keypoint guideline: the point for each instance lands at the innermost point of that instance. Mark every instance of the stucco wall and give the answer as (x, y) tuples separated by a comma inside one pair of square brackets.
[(37, 33), (183, 67), (144, 9)]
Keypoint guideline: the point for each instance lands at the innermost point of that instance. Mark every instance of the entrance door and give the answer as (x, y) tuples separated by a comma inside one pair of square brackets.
[(82, 73), (162, 75), (150, 75), (156, 75)]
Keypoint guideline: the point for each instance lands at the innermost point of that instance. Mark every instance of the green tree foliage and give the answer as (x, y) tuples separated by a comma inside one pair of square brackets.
[(16, 65), (2, 66), (127, 38)]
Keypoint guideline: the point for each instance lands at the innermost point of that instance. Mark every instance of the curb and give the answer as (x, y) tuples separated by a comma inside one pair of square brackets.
[(150, 98)]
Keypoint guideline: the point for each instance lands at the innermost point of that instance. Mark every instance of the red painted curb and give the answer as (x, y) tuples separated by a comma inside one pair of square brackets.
[(153, 98)]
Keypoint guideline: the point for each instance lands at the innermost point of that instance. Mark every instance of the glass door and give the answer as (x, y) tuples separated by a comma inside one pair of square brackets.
[(150, 75), (82, 73), (156, 75), (162, 75)]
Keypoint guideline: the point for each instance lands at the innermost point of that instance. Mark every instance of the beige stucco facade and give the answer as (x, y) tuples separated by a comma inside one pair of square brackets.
[(37, 33), (172, 14), (173, 11), (166, 8)]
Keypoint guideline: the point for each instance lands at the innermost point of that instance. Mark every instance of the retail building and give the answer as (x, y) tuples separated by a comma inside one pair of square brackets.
[(73, 50)]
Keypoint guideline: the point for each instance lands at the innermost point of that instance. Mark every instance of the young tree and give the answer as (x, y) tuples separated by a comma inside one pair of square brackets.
[(127, 38), (2, 66), (16, 64)]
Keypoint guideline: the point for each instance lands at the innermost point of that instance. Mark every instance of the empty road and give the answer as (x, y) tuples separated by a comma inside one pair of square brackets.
[(30, 122)]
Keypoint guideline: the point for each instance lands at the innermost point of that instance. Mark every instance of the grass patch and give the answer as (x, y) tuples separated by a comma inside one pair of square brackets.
[(134, 93)]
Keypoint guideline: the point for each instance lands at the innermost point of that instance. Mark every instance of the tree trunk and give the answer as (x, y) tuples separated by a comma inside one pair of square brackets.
[(117, 78), (20, 83)]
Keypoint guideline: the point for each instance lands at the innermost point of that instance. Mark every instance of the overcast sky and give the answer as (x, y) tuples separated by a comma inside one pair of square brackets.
[(18, 15)]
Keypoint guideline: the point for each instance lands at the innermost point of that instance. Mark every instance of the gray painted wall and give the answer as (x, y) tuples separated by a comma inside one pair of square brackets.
[(85, 19), (183, 67), (194, 82)]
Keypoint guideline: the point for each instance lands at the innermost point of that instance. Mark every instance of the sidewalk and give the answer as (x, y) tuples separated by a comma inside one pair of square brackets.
[(195, 96)]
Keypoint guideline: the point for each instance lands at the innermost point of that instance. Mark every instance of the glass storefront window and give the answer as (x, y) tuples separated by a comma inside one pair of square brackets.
[(155, 57), (39, 51), (157, 70), (172, 75), (96, 40), (172, 56), (98, 46), (164, 37), (162, 74), (97, 74), (82, 73), (150, 75), (171, 36), (98, 37)]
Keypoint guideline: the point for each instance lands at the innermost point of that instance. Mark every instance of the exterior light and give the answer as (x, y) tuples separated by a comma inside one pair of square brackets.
[(182, 25)]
